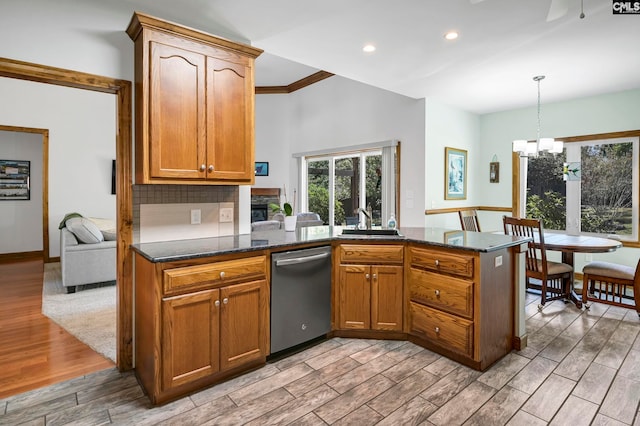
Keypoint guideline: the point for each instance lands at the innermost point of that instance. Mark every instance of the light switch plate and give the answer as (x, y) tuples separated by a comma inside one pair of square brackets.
[(196, 216), (226, 215)]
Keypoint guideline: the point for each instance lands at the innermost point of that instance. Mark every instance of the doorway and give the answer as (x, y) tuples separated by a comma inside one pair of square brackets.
[(124, 210), (44, 133)]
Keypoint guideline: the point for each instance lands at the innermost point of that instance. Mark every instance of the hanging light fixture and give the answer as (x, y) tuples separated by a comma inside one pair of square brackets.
[(526, 148)]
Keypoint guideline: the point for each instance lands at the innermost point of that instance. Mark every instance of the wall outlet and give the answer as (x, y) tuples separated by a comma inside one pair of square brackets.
[(196, 216), (588, 257), (226, 215), (498, 261)]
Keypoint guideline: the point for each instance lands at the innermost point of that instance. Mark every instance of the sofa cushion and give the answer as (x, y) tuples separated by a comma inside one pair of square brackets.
[(85, 230)]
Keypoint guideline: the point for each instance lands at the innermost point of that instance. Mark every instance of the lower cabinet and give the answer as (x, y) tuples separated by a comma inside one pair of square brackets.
[(370, 290), (198, 323), (460, 303)]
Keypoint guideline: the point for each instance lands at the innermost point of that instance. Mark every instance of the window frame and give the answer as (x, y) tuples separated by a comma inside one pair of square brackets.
[(390, 152), (519, 178)]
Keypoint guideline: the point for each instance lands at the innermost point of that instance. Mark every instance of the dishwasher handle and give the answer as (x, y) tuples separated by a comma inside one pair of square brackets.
[(299, 260)]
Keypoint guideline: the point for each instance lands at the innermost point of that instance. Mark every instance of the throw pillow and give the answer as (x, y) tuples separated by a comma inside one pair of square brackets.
[(85, 231), (106, 226)]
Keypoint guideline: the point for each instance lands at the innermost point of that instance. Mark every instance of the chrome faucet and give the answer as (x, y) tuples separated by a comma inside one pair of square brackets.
[(367, 217)]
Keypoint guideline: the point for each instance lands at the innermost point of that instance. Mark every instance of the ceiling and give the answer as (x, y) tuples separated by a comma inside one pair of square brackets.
[(502, 45)]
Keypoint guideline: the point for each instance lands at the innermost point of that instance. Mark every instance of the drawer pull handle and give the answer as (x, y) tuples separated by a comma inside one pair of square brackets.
[(202, 167), (225, 300), (438, 293), (222, 274), (437, 262), (217, 303), (437, 329), (210, 168)]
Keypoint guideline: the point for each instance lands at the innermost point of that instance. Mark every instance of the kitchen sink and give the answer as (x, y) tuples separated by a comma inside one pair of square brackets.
[(377, 232)]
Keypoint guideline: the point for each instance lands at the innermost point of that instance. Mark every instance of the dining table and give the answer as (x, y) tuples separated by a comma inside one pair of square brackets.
[(568, 245)]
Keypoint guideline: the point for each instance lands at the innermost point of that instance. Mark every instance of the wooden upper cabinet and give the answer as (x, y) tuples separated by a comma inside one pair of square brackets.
[(177, 113), (195, 105), (230, 104)]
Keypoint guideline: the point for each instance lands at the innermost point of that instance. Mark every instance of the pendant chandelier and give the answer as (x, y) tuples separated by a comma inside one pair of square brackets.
[(527, 148)]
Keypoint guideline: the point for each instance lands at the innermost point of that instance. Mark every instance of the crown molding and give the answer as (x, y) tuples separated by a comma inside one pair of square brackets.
[(296, 85)]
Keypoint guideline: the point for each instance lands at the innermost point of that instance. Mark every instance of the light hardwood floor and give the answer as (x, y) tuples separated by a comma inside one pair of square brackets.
[(580, 368), (35, 351)]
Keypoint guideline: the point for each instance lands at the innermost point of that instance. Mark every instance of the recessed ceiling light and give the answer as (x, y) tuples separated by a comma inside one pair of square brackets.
[(451, 35), (368, 48)]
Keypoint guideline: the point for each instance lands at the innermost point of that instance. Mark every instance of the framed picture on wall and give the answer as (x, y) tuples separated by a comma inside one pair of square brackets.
[(455, 174), (262, 168), (494, 172), (14, 180)]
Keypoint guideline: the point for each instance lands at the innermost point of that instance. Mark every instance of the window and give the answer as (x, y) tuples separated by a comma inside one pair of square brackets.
[(591, 188), (337, 184)]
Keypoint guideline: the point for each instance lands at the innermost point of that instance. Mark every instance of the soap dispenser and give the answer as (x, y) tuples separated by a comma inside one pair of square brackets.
[(391, 223)]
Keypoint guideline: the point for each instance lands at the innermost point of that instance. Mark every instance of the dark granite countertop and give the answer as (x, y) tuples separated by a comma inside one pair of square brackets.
[(168, 251)]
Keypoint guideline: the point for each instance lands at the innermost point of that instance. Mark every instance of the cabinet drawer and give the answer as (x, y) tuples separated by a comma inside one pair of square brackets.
[(212, 274), (449, 331), (355, 253), (441, 261), (449, 294)]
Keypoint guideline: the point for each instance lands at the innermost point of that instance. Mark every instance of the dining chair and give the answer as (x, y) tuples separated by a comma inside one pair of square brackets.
[(612, 284), (469, 220), (553, 279)]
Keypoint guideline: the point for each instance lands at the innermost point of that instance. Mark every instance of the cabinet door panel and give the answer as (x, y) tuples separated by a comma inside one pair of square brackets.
[(230, 125), (190, 337), (355, 309), (177, 113), (386, 298), (244, 323)]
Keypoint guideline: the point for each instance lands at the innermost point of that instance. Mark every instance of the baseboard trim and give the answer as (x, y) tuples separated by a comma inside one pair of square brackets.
[(519, 343), (21, 257)]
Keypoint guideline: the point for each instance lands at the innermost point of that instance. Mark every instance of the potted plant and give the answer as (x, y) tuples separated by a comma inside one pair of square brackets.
[(287, 210), (289, 218)]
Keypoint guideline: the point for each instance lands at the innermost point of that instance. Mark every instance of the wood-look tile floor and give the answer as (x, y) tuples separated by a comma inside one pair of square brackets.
[(580, 368)]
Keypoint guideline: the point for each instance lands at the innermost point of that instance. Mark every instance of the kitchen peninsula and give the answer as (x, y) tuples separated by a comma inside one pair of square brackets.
[(202, 306)]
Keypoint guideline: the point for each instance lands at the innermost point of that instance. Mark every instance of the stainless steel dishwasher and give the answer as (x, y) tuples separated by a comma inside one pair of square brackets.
[(300, 296)]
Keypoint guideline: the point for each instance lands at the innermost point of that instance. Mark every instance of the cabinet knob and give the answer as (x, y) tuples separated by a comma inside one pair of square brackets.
[(225, 300), (437, 262), (375, 276), (202, 167), (437, 329), (222, 274), (217, 303), (438, 293), (210, 168), (366, 276)]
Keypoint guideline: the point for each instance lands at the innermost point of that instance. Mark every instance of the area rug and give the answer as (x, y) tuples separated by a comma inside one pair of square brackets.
[(89, 313)]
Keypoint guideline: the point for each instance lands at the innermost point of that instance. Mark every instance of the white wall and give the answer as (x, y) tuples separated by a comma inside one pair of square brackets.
[(272, 139), (447, 126), (597, 114), (339, 112), (82, 145), (21, 224)]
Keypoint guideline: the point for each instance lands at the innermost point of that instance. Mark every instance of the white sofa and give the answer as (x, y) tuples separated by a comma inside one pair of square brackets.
[(83, 263)]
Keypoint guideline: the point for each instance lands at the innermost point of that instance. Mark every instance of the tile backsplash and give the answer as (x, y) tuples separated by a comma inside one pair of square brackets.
[(166, 212)]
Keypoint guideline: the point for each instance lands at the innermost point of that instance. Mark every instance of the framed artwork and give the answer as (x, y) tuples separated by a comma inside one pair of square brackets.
[(113, 177), (455, 174), (14, 180), (454, 238), (494, 172), (262, 168)]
